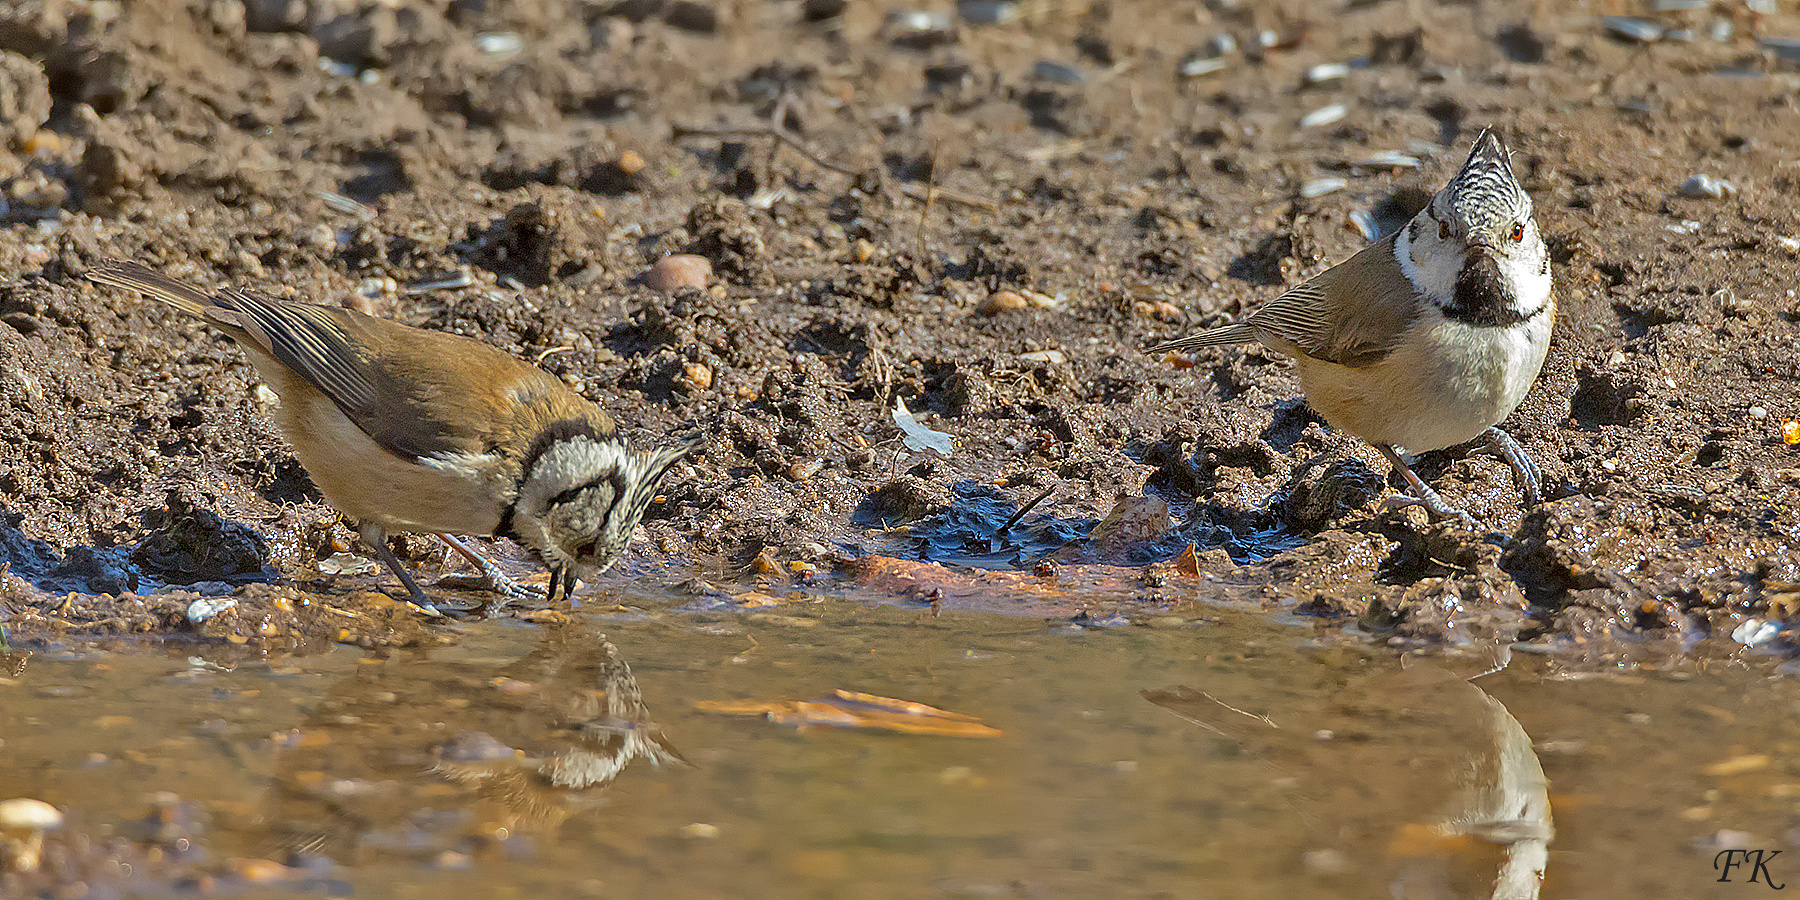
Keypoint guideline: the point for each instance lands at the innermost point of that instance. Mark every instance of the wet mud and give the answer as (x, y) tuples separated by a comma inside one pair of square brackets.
[(985, 222)]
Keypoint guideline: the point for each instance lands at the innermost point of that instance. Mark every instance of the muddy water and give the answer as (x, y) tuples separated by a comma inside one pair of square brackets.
[(1222, 756)]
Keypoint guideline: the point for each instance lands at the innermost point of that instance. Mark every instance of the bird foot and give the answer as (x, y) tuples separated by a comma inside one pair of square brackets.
[(1531, 478), (506, 590), (1434, 506)]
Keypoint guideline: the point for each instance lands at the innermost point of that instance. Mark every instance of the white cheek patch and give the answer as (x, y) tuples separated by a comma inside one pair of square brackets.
[(1530, 279), (1432, 266)]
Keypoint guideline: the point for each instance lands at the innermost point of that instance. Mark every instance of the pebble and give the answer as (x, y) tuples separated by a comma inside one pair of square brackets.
[(1324, 115), (917, 28), (1632, 30), (1757, 412), (1194, 66), (207, 607), (22, 826), (987, 12), (700, 375), (1386, 159), (1319, 187), (1057, 73), (1051, 357), (1324, 73), (1786, 48), (677, 271), (1705, 187), (804, 470), (1755, 631), (499, 43), (1001, 301)]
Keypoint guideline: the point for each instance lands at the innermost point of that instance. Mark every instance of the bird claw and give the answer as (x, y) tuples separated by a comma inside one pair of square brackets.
[(506, 590), (1531, 478), (1434, 506)]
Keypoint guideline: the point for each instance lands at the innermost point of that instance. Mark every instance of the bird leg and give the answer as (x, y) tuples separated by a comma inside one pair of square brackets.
[(1530, 478), (509, 590), (376, 536), (1422, 494)]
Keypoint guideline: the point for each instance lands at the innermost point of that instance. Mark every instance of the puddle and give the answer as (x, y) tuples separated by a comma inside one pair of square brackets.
[(1229, 756)]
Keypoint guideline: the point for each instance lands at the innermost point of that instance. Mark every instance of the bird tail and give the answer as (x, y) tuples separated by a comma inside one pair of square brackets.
[(139, 277), (1212, 337)]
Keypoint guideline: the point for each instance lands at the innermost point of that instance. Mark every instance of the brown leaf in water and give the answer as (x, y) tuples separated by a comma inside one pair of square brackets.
[(850, 709), (1188, 563)]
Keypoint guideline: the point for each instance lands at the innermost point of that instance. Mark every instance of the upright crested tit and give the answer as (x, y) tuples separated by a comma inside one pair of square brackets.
[(414, 430), (1429, 337)]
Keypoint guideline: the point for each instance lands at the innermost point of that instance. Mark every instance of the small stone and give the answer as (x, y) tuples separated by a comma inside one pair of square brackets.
[(804, 470), (700, 375), (1324, 115), (700, 830), (863, 251), (680, 270), (1001, 301), (1705, 187), (1324, 73), (1788, 49), (22, 826), (502, 44), (630, 163), (1057, 73), (206, 608), (1634, 31), (1319, 187), (987, 12)]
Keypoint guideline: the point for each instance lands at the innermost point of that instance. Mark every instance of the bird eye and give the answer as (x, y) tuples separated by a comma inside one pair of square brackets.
[(1443, 231), (1518, 233)]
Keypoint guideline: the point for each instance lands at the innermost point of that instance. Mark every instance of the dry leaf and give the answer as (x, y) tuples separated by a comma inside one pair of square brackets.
[(918, 437), (850, 709)]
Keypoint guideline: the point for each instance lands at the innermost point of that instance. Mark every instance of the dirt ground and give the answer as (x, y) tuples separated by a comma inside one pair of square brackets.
[(989, 222)]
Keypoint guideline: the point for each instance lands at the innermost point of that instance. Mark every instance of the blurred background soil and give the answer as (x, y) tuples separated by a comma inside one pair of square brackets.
[(985, 211)]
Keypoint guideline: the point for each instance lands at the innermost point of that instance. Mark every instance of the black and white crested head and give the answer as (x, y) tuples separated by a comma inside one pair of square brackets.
[(1484, 195), (583, 494), (1475, 251)]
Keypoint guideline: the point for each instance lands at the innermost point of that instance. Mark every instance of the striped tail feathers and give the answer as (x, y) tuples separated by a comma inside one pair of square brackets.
[(139, 277), (1240, 333)]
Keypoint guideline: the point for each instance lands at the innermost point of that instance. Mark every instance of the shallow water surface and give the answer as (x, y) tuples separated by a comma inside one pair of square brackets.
[(1220, 754)]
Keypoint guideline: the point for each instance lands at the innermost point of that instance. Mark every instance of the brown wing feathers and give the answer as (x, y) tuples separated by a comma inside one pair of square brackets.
[(1352, 314), (390, 379)]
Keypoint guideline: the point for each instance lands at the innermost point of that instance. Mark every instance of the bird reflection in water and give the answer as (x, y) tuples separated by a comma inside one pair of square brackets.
[(419, 758), (1405, 774)]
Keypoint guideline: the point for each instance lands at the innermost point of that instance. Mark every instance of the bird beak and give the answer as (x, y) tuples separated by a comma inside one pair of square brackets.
[(563, 578)]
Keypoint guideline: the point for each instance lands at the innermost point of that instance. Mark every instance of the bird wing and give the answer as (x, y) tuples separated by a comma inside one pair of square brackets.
[(1353, 314), (311, 340), (418, 394)]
